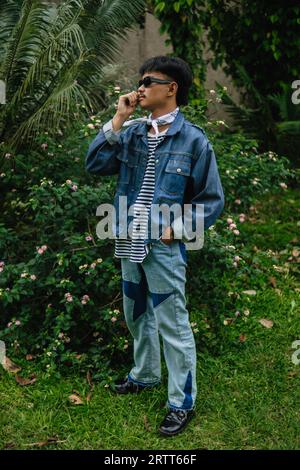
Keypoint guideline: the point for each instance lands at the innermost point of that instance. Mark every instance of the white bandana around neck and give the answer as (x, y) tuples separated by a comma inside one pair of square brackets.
[(160, 121)]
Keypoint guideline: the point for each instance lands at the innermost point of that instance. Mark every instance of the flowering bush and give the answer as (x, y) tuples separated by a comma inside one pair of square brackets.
[(60, 286)]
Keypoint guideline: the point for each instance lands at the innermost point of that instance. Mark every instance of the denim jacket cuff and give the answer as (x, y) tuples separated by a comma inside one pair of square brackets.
[(111, 136)]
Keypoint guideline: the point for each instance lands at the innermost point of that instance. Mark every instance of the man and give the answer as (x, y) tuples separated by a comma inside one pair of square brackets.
[(162, 160)]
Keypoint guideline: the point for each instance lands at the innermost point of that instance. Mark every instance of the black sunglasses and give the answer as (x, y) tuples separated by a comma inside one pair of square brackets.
[(148, 80)]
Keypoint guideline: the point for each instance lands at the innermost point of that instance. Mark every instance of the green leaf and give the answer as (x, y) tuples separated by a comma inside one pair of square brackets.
[(159, 7), (177, 7)]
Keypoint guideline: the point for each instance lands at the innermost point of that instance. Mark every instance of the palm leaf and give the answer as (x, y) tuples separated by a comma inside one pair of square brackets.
[(53, 60)]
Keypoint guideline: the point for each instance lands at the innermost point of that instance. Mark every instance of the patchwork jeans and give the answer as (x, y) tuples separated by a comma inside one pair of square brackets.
[(154, 303)]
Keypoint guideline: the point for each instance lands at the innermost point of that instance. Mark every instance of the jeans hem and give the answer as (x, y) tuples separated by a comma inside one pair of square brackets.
[(145, 384), (172, 407)]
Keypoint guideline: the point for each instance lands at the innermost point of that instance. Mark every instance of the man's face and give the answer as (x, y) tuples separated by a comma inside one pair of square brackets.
[(156, 95)]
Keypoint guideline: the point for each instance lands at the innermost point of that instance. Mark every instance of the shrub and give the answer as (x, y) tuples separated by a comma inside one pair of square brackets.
[(60, 286)]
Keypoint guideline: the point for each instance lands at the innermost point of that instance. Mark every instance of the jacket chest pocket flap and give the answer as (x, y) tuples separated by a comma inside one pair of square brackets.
[(175, 176), (127, 167)]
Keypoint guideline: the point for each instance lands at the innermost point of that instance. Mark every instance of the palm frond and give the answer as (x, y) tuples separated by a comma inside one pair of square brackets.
[(58, 106), (24, 45), (53, 59), (9, 16), (289, 127), (283, 102)]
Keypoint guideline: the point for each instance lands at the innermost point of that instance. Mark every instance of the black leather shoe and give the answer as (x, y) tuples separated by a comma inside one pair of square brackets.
[(175, 421), (125, 386)]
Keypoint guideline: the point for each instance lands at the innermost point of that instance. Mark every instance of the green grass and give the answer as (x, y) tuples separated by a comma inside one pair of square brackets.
[(248, 398)]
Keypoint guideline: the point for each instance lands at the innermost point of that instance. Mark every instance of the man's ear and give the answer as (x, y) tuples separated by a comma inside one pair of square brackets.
[(172, 87)]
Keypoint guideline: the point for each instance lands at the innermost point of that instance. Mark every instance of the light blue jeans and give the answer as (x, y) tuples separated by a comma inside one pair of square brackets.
[(154, 302)]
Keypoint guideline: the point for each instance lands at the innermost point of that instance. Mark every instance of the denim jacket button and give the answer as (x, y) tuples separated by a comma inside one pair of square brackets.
[(156, 160), (178, 170)]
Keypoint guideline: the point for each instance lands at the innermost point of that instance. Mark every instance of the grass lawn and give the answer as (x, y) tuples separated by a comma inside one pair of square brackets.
[(248, 398)]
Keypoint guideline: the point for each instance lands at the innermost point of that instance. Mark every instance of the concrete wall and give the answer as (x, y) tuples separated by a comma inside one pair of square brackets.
[(145, 43)]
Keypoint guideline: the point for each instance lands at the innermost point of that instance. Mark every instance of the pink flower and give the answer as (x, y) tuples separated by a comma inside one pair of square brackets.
[(68, 297), (41, 249), (88, 238), (242, 217), (9, 324), (74, 187), (235, 264), (7, 155), (232, 226), (44, 146), (33, 277), (229, 220), (113, 319), (236, 232), (2, 263), (69, 181), (237, 258), (17, 322), (237, 201), (85, 299), (283, 185)]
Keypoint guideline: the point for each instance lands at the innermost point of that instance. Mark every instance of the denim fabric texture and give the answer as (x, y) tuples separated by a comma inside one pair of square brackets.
[(154, 303), (186, 172)]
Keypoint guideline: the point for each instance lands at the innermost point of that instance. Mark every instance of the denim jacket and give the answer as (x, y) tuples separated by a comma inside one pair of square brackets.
[(186, 171)]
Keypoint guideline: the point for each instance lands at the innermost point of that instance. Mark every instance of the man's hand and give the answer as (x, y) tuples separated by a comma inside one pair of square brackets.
[(168, 236)]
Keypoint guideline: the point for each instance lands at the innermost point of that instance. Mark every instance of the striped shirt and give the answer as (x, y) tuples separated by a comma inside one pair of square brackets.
[(134, 247)]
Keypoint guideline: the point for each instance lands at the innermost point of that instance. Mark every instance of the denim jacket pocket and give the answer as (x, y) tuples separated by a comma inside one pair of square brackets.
[(175, 176), (128, 168)]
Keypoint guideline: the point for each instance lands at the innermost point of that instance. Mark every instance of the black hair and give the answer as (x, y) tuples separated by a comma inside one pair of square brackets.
[(176, 69)]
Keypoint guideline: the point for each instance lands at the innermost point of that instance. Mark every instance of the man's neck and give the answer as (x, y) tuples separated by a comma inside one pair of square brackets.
[(159, 112)]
